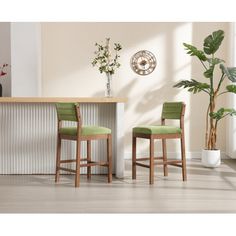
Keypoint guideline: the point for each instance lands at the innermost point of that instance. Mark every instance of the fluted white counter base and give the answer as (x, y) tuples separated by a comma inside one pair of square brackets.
[(28, 137)]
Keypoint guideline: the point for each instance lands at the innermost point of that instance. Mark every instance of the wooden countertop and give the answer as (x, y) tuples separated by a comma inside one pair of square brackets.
[(62, 99)]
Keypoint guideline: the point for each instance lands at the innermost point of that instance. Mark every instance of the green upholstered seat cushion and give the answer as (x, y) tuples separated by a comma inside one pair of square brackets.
[(157, 129), (86, 130)]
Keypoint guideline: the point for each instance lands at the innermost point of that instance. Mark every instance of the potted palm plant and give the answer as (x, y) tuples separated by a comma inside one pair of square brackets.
[(213, 89)]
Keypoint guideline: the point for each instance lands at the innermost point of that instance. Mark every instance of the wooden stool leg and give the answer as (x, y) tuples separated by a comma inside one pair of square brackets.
[(134, 141), (77, 174), (165, 167), (184, 172), (88, 159), (58, 159), (151, 172), (109, 157)]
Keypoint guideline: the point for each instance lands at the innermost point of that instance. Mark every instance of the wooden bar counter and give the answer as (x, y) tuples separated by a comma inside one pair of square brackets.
[(28, 133), (62, 99)]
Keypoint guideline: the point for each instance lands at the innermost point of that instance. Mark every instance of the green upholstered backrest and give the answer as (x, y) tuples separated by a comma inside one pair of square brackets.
[(66, 111), (172, 110)]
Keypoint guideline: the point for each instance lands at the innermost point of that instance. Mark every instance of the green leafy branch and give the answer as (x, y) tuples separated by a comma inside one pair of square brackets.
[(222, 112), (103, 59), (193, 86)]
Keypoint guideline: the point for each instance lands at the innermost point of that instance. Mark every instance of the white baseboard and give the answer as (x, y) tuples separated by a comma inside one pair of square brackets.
[(173, 155)]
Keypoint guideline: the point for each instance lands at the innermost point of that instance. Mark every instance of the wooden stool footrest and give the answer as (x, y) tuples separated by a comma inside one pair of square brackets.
[(93, 163), (169, 162), (141, 164), (147, 158), (177, 165), (72, 160), (67, 169)]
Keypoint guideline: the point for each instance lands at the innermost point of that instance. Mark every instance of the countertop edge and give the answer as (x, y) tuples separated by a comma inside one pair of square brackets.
[(62, 99)]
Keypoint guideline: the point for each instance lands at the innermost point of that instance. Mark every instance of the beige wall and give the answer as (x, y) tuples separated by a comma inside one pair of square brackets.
[(67, 52)]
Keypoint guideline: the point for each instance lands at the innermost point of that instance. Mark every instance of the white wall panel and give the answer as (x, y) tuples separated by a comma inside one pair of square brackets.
[(26, 59), (28, 137)]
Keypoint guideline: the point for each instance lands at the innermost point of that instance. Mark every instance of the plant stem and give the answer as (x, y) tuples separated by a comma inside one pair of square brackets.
[(207, 125), (211, 139), (220, 82), (222, 93), (215, 136), (203, 64)]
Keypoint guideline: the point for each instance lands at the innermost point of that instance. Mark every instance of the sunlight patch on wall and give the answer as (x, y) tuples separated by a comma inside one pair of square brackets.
[(182, 34)]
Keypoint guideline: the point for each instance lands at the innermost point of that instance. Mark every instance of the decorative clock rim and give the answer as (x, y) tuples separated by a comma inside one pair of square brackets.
[(134, 64)]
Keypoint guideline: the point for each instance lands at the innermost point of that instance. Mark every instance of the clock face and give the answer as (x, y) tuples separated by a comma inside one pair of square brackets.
[(143, 62)]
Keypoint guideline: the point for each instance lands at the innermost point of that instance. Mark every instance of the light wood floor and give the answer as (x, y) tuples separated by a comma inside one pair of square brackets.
[(206, 191)]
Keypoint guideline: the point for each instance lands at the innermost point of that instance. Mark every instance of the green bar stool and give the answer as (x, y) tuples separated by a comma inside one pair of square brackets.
[(170, 110), (79, 133)]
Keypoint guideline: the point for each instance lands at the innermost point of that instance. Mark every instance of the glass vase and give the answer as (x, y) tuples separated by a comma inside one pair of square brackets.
[(108, 88)]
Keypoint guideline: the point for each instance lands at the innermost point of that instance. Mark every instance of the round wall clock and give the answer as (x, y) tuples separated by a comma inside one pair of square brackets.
[(143, 62)]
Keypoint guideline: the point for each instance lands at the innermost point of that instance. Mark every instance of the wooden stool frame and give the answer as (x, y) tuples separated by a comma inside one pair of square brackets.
[(89, 163), (163, 159)]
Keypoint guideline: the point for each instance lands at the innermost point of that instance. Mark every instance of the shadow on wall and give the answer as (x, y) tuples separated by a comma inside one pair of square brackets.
[(156, 97), (146, 103)]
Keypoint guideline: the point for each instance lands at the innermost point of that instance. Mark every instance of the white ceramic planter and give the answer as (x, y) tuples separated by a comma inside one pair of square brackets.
[(211, 158)]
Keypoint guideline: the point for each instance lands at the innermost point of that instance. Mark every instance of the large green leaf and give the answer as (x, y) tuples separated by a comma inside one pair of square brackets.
[(209, 73), (231, 88), (193, 51), (230, 72), (213, 41), (217, 115), (222, 112), (215, 60), (193, 86)]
